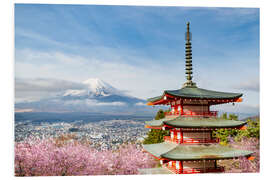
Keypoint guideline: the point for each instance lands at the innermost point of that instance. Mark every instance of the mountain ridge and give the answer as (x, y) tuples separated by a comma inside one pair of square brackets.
[(97, 96)]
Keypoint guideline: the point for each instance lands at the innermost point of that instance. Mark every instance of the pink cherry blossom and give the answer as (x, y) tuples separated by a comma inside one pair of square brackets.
[(243, 164), (36, 157)]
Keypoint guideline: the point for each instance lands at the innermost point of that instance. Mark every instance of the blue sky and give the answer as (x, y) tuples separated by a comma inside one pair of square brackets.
[(139, 49)]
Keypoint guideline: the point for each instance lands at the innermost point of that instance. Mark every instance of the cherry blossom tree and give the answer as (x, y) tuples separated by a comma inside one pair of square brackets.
[(50, 157)]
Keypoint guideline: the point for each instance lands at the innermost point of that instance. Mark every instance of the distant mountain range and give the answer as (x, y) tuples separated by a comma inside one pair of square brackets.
[(253, 118), (241, 116), (98, 96)]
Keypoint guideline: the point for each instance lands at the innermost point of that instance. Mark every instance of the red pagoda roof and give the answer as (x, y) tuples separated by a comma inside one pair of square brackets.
[(195, 93)]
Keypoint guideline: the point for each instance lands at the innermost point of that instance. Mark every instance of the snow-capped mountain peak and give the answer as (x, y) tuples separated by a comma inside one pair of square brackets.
[(75, 92), (92, 95), (99, 87), (94, 87)]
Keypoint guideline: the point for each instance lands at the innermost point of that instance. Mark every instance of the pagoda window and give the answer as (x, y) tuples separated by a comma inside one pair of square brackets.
[(177, 165), (194, 135), (195, 108), (178, 135), (199, 164), (197, 137)]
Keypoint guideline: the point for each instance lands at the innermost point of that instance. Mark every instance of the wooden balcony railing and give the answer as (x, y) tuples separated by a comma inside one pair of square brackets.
[(196, 170), (191, 140), (172, 113), (190, 113)]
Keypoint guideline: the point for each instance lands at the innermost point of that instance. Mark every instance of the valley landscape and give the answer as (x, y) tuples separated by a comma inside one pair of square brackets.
[(99, 113)]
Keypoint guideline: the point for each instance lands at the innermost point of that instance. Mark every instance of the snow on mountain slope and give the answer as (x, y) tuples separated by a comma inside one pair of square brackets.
[(94, 88), (96, 96)]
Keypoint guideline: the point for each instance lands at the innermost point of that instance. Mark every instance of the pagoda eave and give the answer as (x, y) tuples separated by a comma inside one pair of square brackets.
[(195, 94), (198, 123), (206, 127), (192, 101), (203, 159), (160, 170), (173, 151), (153, 127)]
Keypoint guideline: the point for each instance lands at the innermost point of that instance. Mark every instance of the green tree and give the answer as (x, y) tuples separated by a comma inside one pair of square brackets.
[(224, 116), (252, 130), (233, 117), (223, 134), (160, 115), (156, 135)]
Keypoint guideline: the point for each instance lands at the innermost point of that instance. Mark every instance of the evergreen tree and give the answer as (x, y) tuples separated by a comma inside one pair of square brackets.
[(252, 130), (224, 116), (156, 135), (233, 117), (160, 115)]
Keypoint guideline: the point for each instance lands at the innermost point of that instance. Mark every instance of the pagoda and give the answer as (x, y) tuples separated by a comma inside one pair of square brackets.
[(190, 147)]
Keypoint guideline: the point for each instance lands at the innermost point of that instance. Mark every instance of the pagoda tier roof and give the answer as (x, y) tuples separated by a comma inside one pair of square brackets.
[(156, 123), (160, 170), (197, 93), (196, 122), (173, 151)]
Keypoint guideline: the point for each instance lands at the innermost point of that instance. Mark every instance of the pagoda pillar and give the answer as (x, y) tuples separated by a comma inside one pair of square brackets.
[(182, 137), (181, 108), (179, 135), (172, 135), (181, 167), (215, 164)]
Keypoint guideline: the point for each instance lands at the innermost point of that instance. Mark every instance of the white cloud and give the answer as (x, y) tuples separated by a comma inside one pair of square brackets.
[(236, 16), (92, 102), (237, 108), (249, 85), (134, 79), (36, 36), (111, 104), (140, 104), (139, 81), (36, 89), (45, 84)]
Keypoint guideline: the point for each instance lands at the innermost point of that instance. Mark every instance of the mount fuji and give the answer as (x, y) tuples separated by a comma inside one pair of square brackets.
[(94, 88), (95, 96)]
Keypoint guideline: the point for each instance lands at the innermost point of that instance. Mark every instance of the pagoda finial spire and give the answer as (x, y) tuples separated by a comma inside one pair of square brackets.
[(189, 82)]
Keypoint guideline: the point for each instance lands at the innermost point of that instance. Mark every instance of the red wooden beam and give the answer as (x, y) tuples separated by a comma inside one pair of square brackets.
[(152, 127)]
